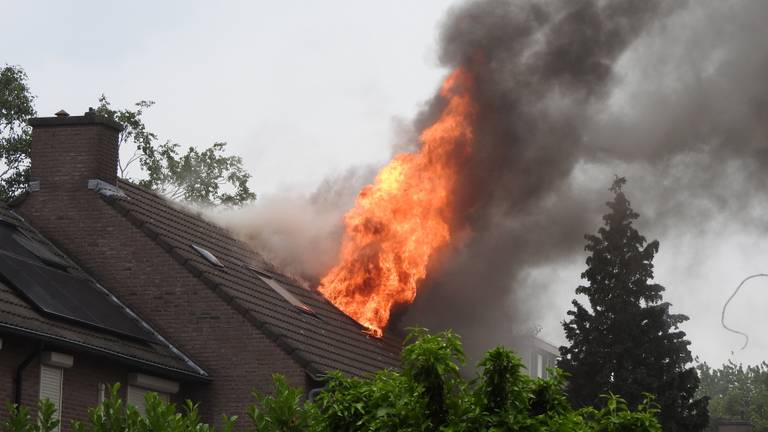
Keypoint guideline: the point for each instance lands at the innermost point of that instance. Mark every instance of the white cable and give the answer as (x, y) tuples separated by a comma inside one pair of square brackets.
[(722, 316)]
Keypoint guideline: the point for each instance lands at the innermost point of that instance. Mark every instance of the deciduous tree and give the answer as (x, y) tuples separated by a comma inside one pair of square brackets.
[(16, 106), (736, 392), (207, 176)]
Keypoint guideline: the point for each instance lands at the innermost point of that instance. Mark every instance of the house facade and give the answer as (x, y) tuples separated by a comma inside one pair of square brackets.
[(538, 355), (229, 317), (64, 337)]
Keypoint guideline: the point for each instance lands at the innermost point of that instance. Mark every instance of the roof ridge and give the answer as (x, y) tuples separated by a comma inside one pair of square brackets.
[(180, 209)]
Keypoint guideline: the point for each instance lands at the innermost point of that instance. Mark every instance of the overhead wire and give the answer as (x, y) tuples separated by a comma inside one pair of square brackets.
[(725, 306)]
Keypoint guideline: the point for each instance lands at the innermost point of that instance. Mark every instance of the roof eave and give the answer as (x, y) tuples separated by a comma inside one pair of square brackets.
[(122, 358)]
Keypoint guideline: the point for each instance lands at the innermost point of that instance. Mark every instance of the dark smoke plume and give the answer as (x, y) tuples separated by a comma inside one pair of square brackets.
[(548, 78), (538, 67), (671, 94)]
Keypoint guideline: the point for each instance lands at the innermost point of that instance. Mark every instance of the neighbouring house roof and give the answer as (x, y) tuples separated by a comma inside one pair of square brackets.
[(321, 339), (20, 315), (545, 346)]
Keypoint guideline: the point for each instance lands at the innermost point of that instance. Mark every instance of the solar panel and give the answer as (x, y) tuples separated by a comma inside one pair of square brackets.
[(8, 220), (68, 296), (41, 251), (8, 243)]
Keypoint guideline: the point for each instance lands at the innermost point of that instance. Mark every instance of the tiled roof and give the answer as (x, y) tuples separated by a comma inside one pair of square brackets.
[(18, 316), (330, 341)]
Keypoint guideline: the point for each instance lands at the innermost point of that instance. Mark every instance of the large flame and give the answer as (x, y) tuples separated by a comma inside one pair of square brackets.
[(402, 219)]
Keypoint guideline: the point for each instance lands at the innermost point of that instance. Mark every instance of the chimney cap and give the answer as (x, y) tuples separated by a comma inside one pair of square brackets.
[(89, 118), (62, 113)]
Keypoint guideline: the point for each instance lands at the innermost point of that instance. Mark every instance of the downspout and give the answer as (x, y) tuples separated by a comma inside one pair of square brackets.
[(314, 392), (20, 372)]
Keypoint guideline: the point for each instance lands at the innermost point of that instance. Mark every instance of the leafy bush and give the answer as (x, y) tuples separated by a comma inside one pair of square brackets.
[(427, 394)]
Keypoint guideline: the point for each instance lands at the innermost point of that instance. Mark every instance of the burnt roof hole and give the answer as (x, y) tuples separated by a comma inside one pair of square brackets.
[(211, 258)]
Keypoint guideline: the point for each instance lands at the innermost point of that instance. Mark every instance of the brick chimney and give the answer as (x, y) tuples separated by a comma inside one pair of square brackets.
[(67, 151)]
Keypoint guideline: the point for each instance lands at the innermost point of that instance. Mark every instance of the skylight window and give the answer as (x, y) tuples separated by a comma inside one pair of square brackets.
[(211, 258), (292, 299)]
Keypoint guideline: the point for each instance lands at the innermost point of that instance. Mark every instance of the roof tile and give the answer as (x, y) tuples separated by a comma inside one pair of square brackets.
[(19, 316), (333, 341)]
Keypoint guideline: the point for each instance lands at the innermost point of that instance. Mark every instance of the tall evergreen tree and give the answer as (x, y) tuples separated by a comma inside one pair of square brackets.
[(628, 342)]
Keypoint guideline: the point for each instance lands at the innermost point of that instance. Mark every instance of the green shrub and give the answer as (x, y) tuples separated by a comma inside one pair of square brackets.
[(428, 394)]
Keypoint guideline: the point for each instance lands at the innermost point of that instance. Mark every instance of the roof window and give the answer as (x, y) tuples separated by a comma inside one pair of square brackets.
[(211, 258), (280, 289)]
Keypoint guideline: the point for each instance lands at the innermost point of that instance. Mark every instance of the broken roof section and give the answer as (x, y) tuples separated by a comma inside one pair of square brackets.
[(314, 332), (44, 295)]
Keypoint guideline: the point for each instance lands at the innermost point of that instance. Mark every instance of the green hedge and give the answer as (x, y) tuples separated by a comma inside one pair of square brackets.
[(427, 394)]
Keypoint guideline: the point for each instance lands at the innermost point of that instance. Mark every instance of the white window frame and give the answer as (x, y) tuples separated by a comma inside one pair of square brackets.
[(539, 365), (58, 374), (135, 396), (102, 392), (140, 384)]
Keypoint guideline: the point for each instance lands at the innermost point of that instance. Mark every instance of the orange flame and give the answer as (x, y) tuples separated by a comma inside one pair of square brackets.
[(402, 219)]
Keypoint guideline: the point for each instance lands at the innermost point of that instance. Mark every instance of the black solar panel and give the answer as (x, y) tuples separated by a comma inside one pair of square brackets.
[(69, 296), (8, 220), (8, 243), (42, 251)]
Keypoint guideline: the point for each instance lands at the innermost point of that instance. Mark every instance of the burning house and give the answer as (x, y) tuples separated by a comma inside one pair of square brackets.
[(139, 291), (487, 184)]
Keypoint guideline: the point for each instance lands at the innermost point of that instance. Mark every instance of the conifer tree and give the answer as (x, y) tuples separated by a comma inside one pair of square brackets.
[(627, 342)]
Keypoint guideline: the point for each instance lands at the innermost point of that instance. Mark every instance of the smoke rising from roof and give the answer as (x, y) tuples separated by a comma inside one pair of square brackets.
[(670, 94), (540, 69)]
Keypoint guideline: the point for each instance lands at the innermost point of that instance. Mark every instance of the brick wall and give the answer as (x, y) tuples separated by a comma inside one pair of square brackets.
[(80, 386), (144, 276), (80, 389), (13, 353), (68, 155)]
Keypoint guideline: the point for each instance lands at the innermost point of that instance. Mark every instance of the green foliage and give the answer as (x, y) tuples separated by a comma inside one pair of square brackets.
[(16, 106), (428, 394), (19, 419), (113, 415), (615, 416), (208, 176), (432, 365), (199, 176), (280, 412), (736, 392), (628, 342)]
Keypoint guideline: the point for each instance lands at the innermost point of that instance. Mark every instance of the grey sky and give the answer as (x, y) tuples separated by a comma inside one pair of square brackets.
[(303, 90), (300, 89)]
